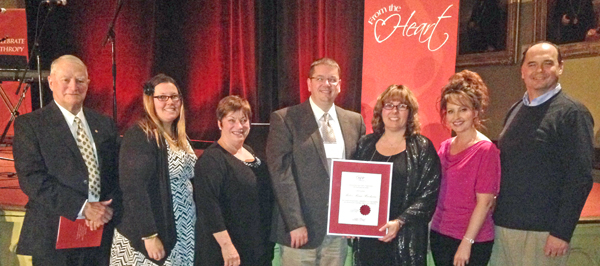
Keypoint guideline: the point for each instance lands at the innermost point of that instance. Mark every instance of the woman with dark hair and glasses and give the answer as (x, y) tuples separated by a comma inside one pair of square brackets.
[(233, 191), (415, 180), (462, 231), (155, 167)]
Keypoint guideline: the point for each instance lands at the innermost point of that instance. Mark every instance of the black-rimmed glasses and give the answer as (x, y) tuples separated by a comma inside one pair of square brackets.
[(164, 98), (391, 106)]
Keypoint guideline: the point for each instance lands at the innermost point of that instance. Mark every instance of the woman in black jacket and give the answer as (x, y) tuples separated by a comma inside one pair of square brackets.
[(415, 180), (155, 167)]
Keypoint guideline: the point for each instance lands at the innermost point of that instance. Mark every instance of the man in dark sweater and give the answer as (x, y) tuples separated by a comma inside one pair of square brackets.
[(546, 156)]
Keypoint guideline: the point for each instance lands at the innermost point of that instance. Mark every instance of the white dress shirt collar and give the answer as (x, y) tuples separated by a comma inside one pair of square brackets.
[(319, 112), (339, 146), (542, 98), (70, 118)]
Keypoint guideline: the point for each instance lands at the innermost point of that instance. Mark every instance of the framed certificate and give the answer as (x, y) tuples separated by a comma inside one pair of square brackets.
[(359, 198)]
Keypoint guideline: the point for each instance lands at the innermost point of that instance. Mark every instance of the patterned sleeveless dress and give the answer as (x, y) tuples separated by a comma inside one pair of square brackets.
[(181, 170)]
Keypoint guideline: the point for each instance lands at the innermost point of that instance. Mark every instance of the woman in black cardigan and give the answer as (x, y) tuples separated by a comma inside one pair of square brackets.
[(155, 167), (233, 192), (415, 181)]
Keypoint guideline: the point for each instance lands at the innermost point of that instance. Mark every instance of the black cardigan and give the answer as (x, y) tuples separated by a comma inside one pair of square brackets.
[(144, 181), (418, 200)]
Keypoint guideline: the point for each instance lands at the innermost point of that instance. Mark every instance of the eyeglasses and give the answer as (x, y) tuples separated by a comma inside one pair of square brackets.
[(391, 106), (164, 98), (332, 80)]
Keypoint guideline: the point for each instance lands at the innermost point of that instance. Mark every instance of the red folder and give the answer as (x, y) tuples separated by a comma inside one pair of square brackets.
[(77, 235)]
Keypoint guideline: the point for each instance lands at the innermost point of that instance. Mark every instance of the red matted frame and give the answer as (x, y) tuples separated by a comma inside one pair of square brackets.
[(339, 166)]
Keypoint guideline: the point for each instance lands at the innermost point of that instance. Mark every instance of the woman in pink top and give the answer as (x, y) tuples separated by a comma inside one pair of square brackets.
[(462, 230)]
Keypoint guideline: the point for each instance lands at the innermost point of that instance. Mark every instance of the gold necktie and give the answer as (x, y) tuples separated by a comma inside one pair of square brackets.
[(327, 130), (87, 151)]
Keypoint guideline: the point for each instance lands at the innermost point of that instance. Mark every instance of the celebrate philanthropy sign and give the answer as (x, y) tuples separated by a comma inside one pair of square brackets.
[(13, 32), (413, 43), (13, 54)]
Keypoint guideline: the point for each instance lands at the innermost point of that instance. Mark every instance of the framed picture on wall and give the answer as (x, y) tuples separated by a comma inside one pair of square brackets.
[(487, 32), (572, 24)]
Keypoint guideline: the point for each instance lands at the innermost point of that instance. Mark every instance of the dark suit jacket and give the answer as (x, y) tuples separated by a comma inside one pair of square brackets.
[(298, 166), (53, 175)]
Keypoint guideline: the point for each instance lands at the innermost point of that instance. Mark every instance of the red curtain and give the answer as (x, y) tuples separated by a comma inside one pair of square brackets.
[(308, 30), (259, 50), (220, 41), (134, 35)]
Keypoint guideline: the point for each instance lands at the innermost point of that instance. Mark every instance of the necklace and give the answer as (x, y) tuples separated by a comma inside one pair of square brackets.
[(375, 151)]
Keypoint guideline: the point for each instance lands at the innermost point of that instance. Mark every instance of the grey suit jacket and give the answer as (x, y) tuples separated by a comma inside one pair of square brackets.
[(53, 175), (298, 168)]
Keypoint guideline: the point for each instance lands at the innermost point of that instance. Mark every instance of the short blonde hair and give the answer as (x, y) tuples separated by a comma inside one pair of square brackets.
[(70, 58)]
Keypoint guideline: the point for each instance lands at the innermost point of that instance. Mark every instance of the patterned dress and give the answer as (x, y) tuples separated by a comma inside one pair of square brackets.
[(181, 170)]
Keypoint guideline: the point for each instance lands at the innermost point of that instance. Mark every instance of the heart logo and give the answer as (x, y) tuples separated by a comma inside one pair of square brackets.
[(383, 27)]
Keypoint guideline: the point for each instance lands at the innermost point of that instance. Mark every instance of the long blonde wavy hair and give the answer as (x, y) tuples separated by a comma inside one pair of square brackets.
[(151, 124)]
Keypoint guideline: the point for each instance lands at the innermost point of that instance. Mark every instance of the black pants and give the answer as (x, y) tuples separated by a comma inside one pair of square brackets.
[(74, 257), (443, 249)]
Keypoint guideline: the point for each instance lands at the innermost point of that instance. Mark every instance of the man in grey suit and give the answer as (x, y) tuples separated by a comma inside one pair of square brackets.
[(65, 157), (302, 141)]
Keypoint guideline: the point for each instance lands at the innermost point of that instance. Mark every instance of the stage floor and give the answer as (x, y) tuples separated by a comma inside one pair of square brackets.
[(11, 196)]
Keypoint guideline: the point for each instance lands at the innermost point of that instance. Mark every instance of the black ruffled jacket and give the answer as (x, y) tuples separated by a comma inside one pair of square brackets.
[(419, 199)]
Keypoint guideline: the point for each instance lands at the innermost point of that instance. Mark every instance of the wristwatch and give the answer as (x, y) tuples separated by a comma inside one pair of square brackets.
[(470, 240)]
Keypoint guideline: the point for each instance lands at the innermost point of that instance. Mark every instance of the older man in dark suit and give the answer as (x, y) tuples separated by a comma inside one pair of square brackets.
[(65, 157), (302, 141)]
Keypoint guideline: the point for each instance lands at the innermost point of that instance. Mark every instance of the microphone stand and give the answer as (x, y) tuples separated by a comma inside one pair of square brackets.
[(39, 72), (112, 37), (35, 51)]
